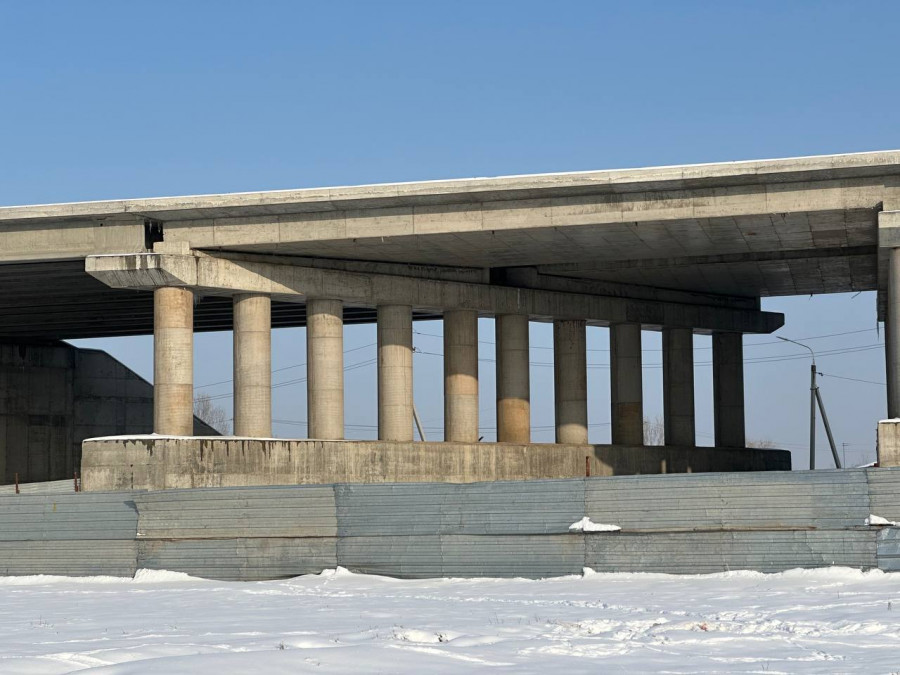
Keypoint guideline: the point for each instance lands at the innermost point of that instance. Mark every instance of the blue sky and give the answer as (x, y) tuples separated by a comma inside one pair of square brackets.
[(113, 100)]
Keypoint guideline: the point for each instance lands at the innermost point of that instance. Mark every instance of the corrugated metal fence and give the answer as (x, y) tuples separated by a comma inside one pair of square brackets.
[(686, 523)]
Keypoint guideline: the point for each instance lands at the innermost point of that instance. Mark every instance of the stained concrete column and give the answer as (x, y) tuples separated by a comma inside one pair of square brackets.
[(173, 361), (395, 385), (678, 386), (728, 389), (570, 381), (513, 379), (461, 375), (892, 335), (252, 365), (626, 384), (325, 368)]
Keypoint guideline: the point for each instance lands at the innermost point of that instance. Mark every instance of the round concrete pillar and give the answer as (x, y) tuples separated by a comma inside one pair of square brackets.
[(626, 386), (728, 389), (173, 361), (461, 375), (513, 379), (395, 384), (678, 386), (252, 365), (570, 382), (892, 335), (325, 368)]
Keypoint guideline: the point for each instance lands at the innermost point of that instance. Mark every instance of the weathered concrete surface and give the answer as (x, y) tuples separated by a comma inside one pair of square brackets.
[(728, 389), (513, 379), (53, 396), (325, 368), (395, 378), (626, 385), (173, 361), (678, 386), (218, 275), (570, 382), (889, 443), (253, 365), (164, 463), (461, 376), (892, 333)]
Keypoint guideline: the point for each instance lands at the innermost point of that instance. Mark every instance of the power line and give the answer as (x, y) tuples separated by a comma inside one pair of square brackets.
[(852, 379), (750, 344), (299, 380), (760, 359), (278, 370), (537, 363)]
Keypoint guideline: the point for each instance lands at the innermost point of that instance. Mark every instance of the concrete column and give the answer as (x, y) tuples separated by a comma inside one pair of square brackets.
[(570, 381), (892, 335), (252, 365), (173, 361), (728, 389), (395, 389), (626, 384), (513, 379), (678, 386), (325, 368), (461, 375)]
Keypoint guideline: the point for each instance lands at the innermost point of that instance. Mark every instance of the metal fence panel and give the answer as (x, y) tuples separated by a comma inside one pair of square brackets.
[(822, 499), (530, 556), (889, 549), (675, 523), (524, 507), (210, 513), (53, 487), (69, 558), (240, 559), (884, 490), (703, 552), (77, 516), (397, 556)]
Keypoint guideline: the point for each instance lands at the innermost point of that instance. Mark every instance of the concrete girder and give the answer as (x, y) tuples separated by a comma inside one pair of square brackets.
[(212, 275)]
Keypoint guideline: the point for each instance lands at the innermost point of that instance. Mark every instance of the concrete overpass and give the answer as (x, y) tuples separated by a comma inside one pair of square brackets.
[(681, 249)]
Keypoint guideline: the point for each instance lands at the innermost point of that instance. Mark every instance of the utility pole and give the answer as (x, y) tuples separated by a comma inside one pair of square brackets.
[(815, 399)]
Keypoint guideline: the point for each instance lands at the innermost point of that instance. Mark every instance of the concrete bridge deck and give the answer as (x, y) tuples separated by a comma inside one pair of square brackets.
[(721, 234)]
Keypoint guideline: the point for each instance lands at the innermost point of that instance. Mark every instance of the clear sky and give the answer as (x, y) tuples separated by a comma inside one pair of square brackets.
[(132, 99)]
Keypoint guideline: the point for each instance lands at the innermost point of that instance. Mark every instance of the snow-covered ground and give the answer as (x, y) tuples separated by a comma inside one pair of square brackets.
[(831, 620)]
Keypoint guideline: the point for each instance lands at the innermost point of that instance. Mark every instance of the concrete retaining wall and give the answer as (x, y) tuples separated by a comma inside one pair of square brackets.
[(53, 396), (679, 524), (157, 463)]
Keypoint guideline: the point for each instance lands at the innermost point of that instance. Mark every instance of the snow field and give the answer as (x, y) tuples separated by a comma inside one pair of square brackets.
[(828, 620)]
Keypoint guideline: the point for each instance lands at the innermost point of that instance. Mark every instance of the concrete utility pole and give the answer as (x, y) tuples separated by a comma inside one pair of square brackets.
[(815, 398)]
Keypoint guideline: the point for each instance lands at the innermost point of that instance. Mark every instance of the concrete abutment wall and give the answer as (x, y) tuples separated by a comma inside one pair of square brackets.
[(53, 396)]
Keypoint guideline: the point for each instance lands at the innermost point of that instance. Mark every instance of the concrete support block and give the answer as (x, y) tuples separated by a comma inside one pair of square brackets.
[(678, 386), (889, 443), (173, 361), (570, 381), (252, 365), (325, 368), (892, 334), (513, 379), (395, 384), (626, 385), (461, 376), (728, 389)]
